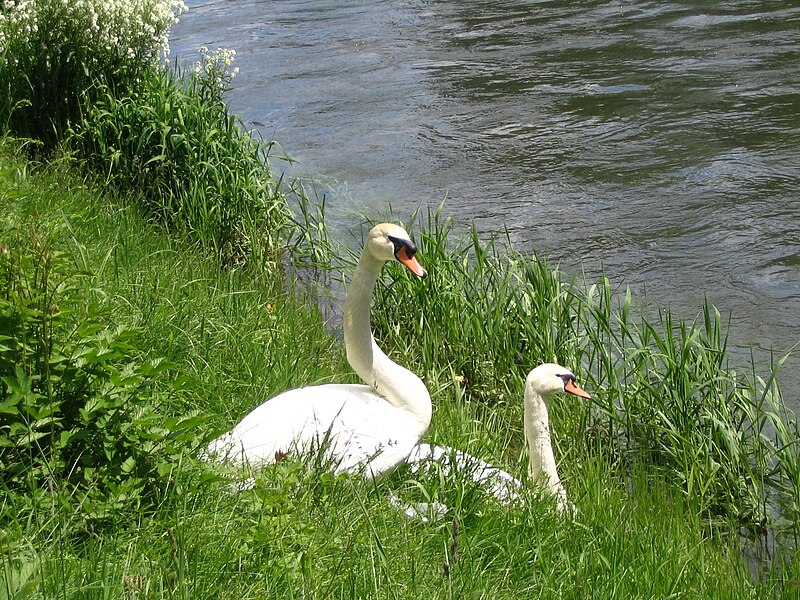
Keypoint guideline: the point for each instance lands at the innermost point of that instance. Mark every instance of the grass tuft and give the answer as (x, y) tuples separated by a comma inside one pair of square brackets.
[(188, 165)]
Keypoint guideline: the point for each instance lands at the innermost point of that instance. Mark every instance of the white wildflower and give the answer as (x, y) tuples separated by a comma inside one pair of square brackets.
[(214, 70), (127, 28)]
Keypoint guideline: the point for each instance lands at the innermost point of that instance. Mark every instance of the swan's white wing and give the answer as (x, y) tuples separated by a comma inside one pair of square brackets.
[(354, 428)]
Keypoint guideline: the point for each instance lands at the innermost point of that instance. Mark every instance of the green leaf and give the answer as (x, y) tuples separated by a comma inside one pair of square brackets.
[(128, 465), (10, 405)]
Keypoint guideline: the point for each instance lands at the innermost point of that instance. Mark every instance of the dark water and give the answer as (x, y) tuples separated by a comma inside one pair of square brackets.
[(658, 142)]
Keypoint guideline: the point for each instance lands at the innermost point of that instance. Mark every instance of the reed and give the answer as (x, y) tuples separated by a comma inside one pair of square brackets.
[(663, 392), (189, 165)]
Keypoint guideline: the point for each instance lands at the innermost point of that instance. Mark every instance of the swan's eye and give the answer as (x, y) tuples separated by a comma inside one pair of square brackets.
[(567, 377), (399, 244)]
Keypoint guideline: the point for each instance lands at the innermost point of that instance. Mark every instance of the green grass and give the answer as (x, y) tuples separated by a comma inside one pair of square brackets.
[(172, 146), (302, 533), (232, 337)]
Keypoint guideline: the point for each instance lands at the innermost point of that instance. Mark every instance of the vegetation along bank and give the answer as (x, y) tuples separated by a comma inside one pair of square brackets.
[(151, 296)]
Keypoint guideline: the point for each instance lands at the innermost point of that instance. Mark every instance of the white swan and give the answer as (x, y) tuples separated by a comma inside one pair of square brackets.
[(540, 384), (359, 428)]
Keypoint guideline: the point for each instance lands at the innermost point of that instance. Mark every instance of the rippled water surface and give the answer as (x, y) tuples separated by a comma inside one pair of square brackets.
[(657, 142)]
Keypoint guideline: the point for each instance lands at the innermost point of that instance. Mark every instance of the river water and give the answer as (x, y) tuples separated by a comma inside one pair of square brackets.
[(655, 142)]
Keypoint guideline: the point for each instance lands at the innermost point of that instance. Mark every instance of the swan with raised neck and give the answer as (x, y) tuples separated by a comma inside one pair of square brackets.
[(359, 428), (541, 384), (395, 383)]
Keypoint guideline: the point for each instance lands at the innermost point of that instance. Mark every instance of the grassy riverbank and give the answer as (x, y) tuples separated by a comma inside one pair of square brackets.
[(227, 338), (149, 300)]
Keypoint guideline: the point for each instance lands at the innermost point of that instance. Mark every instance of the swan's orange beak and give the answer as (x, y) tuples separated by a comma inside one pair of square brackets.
[(411, 262), (571, 387)]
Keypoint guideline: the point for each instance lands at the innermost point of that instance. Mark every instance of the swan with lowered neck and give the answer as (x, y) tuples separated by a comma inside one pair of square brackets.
[(541, 383), (359, 428)]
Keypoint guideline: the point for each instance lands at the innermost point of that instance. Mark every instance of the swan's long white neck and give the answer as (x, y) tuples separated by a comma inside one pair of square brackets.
[(537, 433), (398, 385)]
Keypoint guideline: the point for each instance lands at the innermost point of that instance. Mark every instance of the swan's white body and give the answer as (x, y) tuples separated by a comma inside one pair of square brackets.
[(541, 383), (500, 484), (358, 428)]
